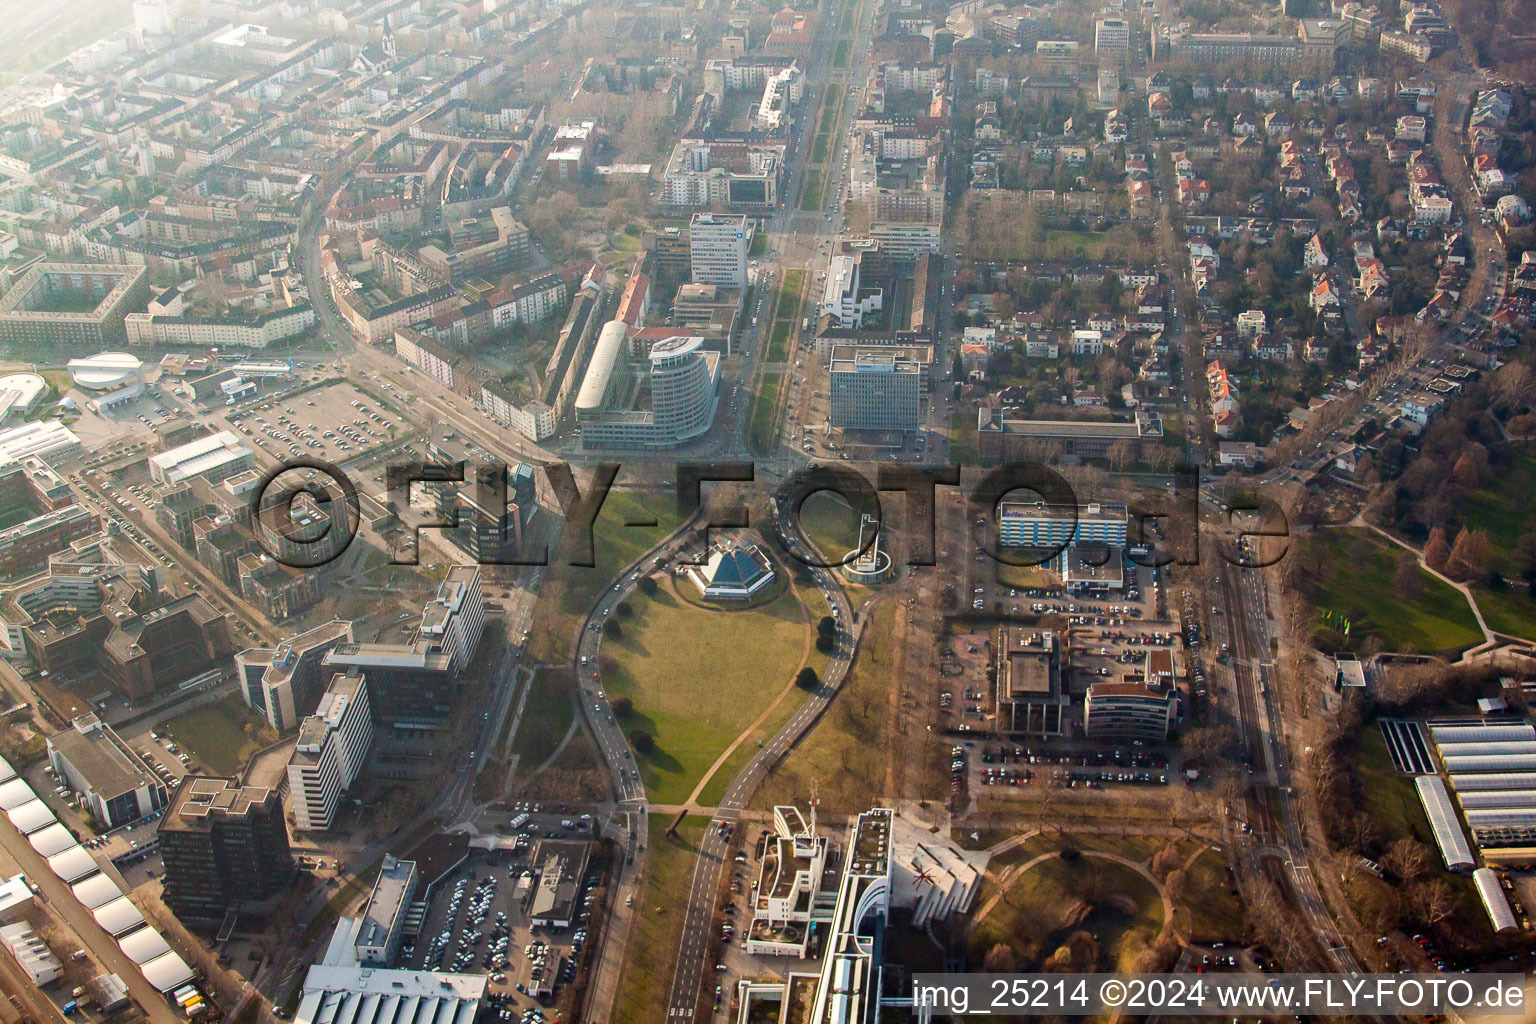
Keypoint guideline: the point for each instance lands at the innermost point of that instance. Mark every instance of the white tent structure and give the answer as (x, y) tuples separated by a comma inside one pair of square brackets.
[(1481, 798), (1457, 764), (167, 972), (1493, 780), (73, 864), (1494, 901), (14, 793), (1495, 748), (31, 816), (96, 891), (118, 917), (144, 945), (51, 840), (1454, 849), (1513, 731)]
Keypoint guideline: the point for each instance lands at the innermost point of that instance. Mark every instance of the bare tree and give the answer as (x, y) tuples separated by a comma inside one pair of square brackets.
[(1408, 859), (1432, 900)]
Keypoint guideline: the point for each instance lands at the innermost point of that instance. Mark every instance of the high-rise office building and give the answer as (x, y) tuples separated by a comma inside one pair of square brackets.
[(223, 844), (1112, 37), (282, 683), (332, 746), (718, 249), (875, 391)]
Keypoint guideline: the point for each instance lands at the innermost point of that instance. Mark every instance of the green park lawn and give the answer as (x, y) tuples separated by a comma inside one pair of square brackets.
[(763, 426), (1508, 611), (220, 735), (820, 147), (697, 678), (844, 756), (831, 524), (546, 718), (1209, 909), (570, 590), (1088, 243), (1352, 572), (810, 191), (1389, 796)]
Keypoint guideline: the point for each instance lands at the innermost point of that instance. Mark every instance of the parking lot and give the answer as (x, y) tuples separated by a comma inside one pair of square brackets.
[(1107, 636), (477, 921), (337, 423)]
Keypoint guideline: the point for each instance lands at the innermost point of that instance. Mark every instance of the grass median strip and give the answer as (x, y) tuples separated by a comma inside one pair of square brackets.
[(763, 432), (651, 953)]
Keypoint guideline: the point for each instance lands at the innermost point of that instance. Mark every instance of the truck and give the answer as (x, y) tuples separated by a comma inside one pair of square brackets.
[(518, 822)]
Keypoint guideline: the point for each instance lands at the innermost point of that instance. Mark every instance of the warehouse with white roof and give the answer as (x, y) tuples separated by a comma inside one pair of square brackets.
[(48, 440), (105, 371), (361, 995)]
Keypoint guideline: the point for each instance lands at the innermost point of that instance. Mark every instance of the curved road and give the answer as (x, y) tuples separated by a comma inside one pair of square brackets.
[(707, 875), (629, 790)]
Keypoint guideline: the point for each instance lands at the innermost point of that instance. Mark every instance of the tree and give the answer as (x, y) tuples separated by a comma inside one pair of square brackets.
[(643, 742), (1436, 551), (623, 707), (1175, 884), (1464, 473), (648, 586), (1164, 861), (807, 679), (825, 643), (1433, 901), (1000, 959), (1408, 859), (1407, 580), (624, 611), (612, 630), (1468, 554), (827, 626)]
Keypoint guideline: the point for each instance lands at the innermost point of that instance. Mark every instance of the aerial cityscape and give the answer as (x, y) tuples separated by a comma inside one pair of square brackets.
[(587, 512)]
